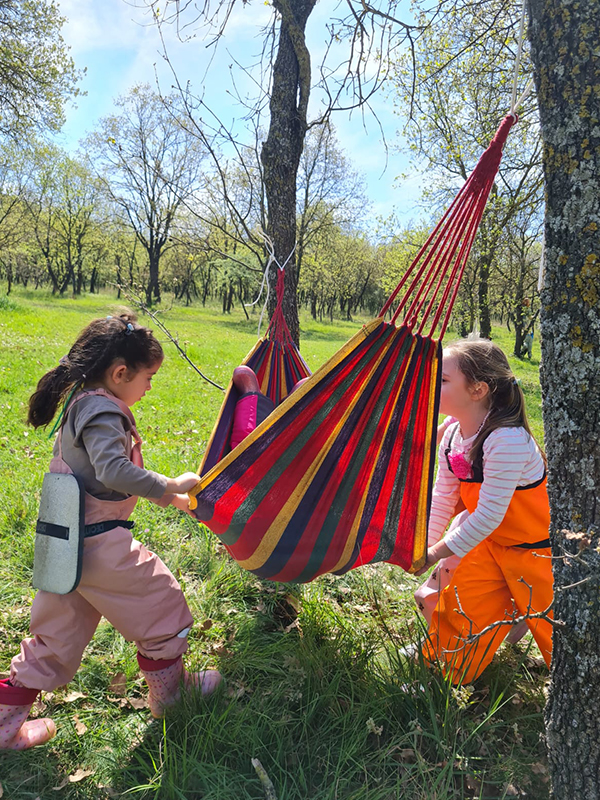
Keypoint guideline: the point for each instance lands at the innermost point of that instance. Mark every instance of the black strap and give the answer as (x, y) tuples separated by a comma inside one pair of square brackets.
[(477, 467), (50, 529), (107, 525), (534, 545)]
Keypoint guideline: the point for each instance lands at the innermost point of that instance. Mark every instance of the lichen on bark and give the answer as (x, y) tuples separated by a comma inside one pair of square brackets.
[(564, 36)]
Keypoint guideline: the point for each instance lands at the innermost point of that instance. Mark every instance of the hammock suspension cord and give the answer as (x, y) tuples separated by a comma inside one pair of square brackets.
[(265, 281), (432, 281), (514, 104)]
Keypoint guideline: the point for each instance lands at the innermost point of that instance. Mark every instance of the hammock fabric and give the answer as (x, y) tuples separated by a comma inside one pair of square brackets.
[(278, 366), (340, 474)]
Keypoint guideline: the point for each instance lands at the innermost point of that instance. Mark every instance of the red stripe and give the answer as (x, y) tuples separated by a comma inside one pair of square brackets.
[(373, 535), (153, 665), (260, 521), (306, 544), (336, 548)]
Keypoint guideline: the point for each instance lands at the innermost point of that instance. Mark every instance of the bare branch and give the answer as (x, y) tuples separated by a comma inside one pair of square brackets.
[(138, 302)]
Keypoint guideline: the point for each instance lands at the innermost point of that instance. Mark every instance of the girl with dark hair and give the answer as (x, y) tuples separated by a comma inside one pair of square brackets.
[(108, 369), (489, 459)]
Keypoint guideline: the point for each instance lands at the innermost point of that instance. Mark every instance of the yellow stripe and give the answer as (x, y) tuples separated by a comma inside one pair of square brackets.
[(288, 403), (355, 525), (279, 524), (420, 542)]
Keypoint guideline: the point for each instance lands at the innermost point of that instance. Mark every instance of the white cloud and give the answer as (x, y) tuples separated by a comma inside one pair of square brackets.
[(109, 24)]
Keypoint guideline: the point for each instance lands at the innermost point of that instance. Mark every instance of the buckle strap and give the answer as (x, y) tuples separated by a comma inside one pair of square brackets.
[(534, 545), (107, 525)]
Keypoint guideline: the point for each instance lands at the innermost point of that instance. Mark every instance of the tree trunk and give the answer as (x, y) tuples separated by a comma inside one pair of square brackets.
[(564, 37), (153, 289), (119, 277), (282, 149), (519, 315), (485, 325), (8, 268), (241, 296)]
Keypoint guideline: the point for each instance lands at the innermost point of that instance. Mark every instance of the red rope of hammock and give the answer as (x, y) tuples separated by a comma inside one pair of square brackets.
[(278, 329), (432, 281)]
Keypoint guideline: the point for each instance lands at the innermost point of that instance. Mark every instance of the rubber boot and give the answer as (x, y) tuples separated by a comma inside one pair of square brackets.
[(164, 679), (16, 731)]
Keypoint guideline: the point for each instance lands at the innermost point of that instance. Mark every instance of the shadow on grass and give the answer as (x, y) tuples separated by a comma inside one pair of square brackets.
[(328, 717)]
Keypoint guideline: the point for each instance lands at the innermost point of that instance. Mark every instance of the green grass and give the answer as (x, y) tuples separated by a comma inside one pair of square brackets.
[(316, 685)]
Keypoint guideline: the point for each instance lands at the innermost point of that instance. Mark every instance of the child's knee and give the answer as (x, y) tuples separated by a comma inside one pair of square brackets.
[(245, 380)]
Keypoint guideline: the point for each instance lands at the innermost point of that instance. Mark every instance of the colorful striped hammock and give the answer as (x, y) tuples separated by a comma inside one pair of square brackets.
[(278, 366), (340, 474)]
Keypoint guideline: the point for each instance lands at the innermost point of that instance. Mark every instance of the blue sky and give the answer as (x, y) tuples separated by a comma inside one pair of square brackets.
[(118, 44)]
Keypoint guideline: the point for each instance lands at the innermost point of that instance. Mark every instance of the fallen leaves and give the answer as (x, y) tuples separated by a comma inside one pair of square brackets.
[(72, 697), (137, 703), (80, 727), (118, 684), (79, 775)]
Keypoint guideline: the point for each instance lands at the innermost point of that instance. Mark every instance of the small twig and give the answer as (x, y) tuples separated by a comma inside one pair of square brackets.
[(266, 782), (545, 614), (139, 303), (571, 585), (471, 637)]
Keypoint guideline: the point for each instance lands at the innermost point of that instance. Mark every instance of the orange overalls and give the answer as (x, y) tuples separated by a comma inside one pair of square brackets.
[(504, 576)]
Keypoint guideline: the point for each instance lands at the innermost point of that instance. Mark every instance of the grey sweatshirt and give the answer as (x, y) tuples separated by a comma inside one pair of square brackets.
[(97, 447)]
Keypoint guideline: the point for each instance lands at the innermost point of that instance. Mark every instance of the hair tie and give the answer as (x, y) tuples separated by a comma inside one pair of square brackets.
[(128, 330)]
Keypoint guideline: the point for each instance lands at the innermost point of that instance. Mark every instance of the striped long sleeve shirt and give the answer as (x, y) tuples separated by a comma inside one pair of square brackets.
[(511, 458)]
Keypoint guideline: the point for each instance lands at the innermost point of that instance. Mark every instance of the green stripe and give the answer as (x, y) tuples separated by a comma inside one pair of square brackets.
[(266, 484)]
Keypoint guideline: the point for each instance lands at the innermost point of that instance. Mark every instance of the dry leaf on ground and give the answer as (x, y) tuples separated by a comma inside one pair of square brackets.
[(80, 727), (72, 697), (120, 701), (138, 703), (80, 774), (118, 684)]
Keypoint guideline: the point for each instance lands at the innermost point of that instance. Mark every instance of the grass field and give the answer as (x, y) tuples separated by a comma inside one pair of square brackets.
[(316, 685)]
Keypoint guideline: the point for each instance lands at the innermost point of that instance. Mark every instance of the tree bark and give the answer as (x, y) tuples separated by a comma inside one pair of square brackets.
[(282, 149), (485, 323), (564, 36)]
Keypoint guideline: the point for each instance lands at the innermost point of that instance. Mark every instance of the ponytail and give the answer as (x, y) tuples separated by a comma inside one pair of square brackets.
[(51, 388), (98, 346)]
